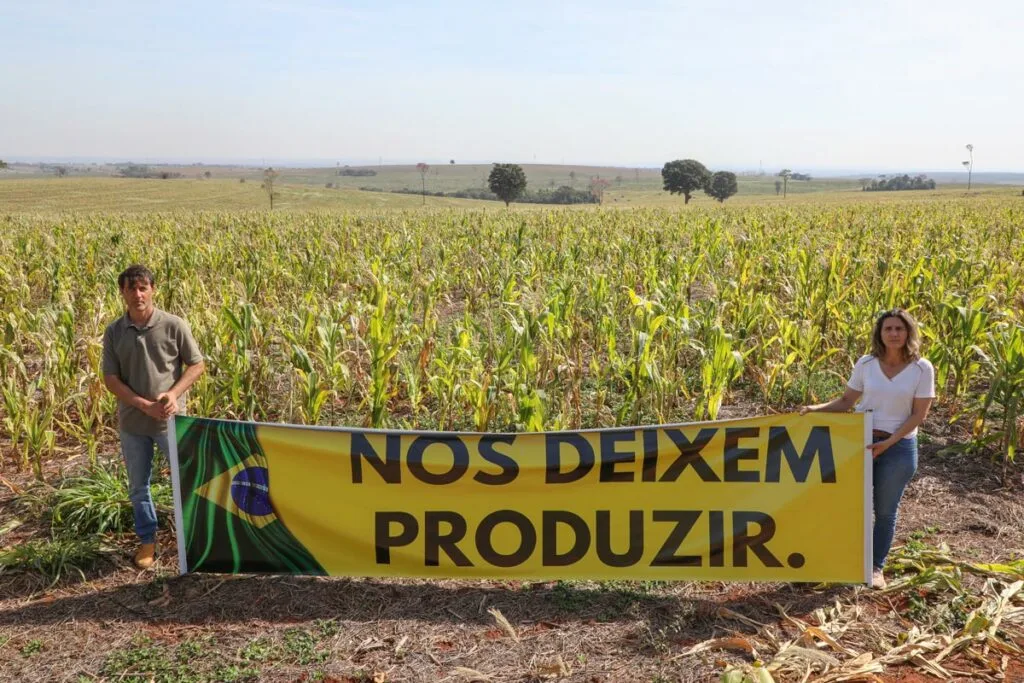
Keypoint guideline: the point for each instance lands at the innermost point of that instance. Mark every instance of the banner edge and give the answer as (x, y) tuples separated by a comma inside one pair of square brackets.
[(869, 487), (179, 517)]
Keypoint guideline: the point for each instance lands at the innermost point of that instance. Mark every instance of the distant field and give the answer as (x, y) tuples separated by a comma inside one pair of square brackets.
[(299, 189), (748, 196), (135, 195)]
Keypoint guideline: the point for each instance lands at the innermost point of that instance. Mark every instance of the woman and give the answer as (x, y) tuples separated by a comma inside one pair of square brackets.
[(898, 387)]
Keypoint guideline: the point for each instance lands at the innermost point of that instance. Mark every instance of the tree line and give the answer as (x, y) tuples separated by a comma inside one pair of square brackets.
[(900, 182), (357, 172), (686, 176)]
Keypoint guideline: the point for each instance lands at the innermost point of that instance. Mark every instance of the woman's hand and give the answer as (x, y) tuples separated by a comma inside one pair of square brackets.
[(840, 405), (881, 447)]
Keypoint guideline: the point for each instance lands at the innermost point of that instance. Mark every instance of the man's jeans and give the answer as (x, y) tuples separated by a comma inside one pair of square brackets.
[(137, 450), (893, 470)]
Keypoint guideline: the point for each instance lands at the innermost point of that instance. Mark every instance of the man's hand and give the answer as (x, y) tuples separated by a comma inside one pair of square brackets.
[(154, 409), (881, 447), (165, 405), (168, 403)]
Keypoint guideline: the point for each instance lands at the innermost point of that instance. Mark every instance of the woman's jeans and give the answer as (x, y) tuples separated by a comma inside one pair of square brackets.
[(137, 450), (892, 472)]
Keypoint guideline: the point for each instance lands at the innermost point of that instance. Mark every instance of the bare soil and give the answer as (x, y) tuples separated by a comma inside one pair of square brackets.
[(122, 624)]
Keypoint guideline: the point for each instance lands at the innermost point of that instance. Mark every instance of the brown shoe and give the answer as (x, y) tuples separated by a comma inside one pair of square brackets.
[(145, 556), (877, 579)]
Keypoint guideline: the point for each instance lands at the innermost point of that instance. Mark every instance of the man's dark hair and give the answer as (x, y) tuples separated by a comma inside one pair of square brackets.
[(133, 273)]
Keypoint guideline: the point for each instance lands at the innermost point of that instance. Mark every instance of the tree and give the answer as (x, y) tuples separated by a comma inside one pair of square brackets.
[(778, 187), (423, 168), (684, 176), (970, 166), (3, 165), (451, 162), (572, 178), (785, 174), (269, 176), (722, 186), (507, 181), (597, 188), (207, 174), (61, 171), (140, 171)]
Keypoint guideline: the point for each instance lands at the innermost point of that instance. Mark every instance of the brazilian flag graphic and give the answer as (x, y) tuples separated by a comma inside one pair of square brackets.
[(228, 503)]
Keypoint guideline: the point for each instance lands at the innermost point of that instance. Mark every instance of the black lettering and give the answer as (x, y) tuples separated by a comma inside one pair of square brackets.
[(650, 470), (509, 467), (734, 454), (553, 454), (460, 459), (611, 457), (384, 540), (689, 455), (390, 470), (741, 540), (485, 545), (633, 553), (819, 442), (716, 524), (684, 519), (549, 532), (436, 541)]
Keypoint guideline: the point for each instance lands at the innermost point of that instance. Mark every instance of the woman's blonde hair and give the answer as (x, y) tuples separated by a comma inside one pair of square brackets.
[(912, 349)]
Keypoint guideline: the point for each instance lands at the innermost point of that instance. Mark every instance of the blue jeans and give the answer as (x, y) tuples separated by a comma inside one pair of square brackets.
[(893, 470), (137, 450)]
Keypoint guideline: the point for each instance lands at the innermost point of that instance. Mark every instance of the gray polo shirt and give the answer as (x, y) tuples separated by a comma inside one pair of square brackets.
[(148, 359)]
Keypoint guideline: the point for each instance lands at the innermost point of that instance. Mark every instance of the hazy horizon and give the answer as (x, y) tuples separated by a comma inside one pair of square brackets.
[(872, 87), (979, 175)]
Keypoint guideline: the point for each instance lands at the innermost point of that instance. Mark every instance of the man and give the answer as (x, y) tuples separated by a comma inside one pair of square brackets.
[(145, 352)]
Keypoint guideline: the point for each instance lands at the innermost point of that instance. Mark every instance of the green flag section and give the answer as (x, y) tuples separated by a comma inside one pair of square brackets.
[(781, 498), (227, 521)]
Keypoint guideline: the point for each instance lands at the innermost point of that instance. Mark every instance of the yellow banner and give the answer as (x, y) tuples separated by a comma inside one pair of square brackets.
[(781, 498)]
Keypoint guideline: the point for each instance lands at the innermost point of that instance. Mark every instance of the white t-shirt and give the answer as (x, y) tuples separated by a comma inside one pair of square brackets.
[(891, 400)]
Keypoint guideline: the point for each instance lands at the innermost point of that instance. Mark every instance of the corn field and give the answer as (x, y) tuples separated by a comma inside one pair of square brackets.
[(510, 321)]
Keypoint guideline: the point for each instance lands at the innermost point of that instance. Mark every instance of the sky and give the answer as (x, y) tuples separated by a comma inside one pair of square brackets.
[(886, 85)]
